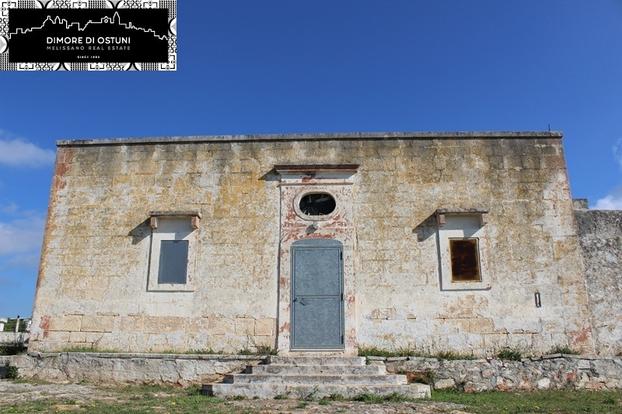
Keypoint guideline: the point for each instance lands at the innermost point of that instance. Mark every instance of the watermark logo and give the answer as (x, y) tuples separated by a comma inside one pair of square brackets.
[(88, 35)]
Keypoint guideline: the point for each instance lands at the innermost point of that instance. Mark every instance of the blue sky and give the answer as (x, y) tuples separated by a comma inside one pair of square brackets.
[(351, 65)]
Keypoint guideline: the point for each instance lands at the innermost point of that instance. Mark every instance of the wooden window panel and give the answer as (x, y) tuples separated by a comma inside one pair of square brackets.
[(465, 266)]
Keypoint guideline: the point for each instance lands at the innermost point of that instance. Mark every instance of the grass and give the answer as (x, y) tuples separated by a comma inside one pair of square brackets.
[(331, 398), (265, 350), (379, 399), (11, 372), (380, 352), (207, 351), (149, 399), (554, 402), (449, 355), (565, 349), (79, 348), (509, 354), (12, 349), (134, 399), (409, 352), (259, 351)]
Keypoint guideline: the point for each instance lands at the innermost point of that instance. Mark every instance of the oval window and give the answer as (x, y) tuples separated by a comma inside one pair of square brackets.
[(317, 204)]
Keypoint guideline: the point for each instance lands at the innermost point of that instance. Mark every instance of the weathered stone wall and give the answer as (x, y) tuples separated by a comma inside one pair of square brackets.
[(104, 368), (600, 234), (94, 269), (93, 275), (548, 372), (531, 245)]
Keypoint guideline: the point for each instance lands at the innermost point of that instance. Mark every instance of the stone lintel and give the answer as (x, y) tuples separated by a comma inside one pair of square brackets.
[(442, 213), (195, 217), (315, 168)]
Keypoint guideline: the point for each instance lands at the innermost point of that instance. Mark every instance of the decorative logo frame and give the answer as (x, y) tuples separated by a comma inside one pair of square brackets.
[(33, 10)]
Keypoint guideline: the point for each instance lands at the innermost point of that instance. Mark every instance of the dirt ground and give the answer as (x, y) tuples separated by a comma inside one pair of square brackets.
[(22, 397), (26, 397)]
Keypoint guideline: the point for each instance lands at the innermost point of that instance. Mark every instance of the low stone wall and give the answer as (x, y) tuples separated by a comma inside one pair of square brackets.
[(109, 368), (548, 372), (12, 338)]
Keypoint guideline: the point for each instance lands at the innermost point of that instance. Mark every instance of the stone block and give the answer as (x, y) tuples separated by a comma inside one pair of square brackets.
[(97, 323), (65, 323), (220, 326), (543, 384), (59, 336), (481, 325), (130, 324), (443, 384), (263, 341), (244, 326), (264, 327), (95, 338), (77, 337)]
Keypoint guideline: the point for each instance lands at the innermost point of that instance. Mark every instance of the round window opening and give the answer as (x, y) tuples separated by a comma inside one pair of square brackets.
[(317, 204)]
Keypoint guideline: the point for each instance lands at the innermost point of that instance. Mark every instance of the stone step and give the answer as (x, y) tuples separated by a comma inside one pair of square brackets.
[(313, 391), (315, 360), (315, 379), (317, 369)]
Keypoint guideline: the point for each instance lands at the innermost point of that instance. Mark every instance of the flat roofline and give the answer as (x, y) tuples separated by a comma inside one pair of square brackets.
[(332, 136)]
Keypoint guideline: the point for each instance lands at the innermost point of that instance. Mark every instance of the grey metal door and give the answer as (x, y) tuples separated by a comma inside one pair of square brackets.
[(317, 294)]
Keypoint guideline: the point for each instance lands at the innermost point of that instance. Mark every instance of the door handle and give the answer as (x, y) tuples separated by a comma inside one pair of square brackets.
[(301, 300)]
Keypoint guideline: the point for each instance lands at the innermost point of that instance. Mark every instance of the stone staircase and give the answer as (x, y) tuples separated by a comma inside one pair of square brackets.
[(314, 377)]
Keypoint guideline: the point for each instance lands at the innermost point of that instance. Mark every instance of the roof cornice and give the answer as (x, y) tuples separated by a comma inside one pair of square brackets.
[(337, 136)]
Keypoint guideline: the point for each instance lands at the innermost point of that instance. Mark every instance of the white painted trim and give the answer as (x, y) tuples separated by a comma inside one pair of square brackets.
[(308, 217), (462, 227), (172, 229)]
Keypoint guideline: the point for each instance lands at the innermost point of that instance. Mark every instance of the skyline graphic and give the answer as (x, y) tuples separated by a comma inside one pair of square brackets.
[(116, 19)]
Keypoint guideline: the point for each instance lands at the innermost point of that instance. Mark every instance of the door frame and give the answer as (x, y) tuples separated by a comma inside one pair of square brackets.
[(317, 244), (339, 181)]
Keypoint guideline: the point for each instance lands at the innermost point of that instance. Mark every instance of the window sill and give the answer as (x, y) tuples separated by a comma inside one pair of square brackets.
[(171, 288), (457, 286)]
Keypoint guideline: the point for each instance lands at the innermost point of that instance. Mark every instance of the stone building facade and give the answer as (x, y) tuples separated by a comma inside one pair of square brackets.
[(462, 242)]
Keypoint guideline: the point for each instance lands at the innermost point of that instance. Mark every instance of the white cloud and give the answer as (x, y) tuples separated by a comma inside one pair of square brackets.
[(22, 235), (612, 201), (609, 202), (17, 152)]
